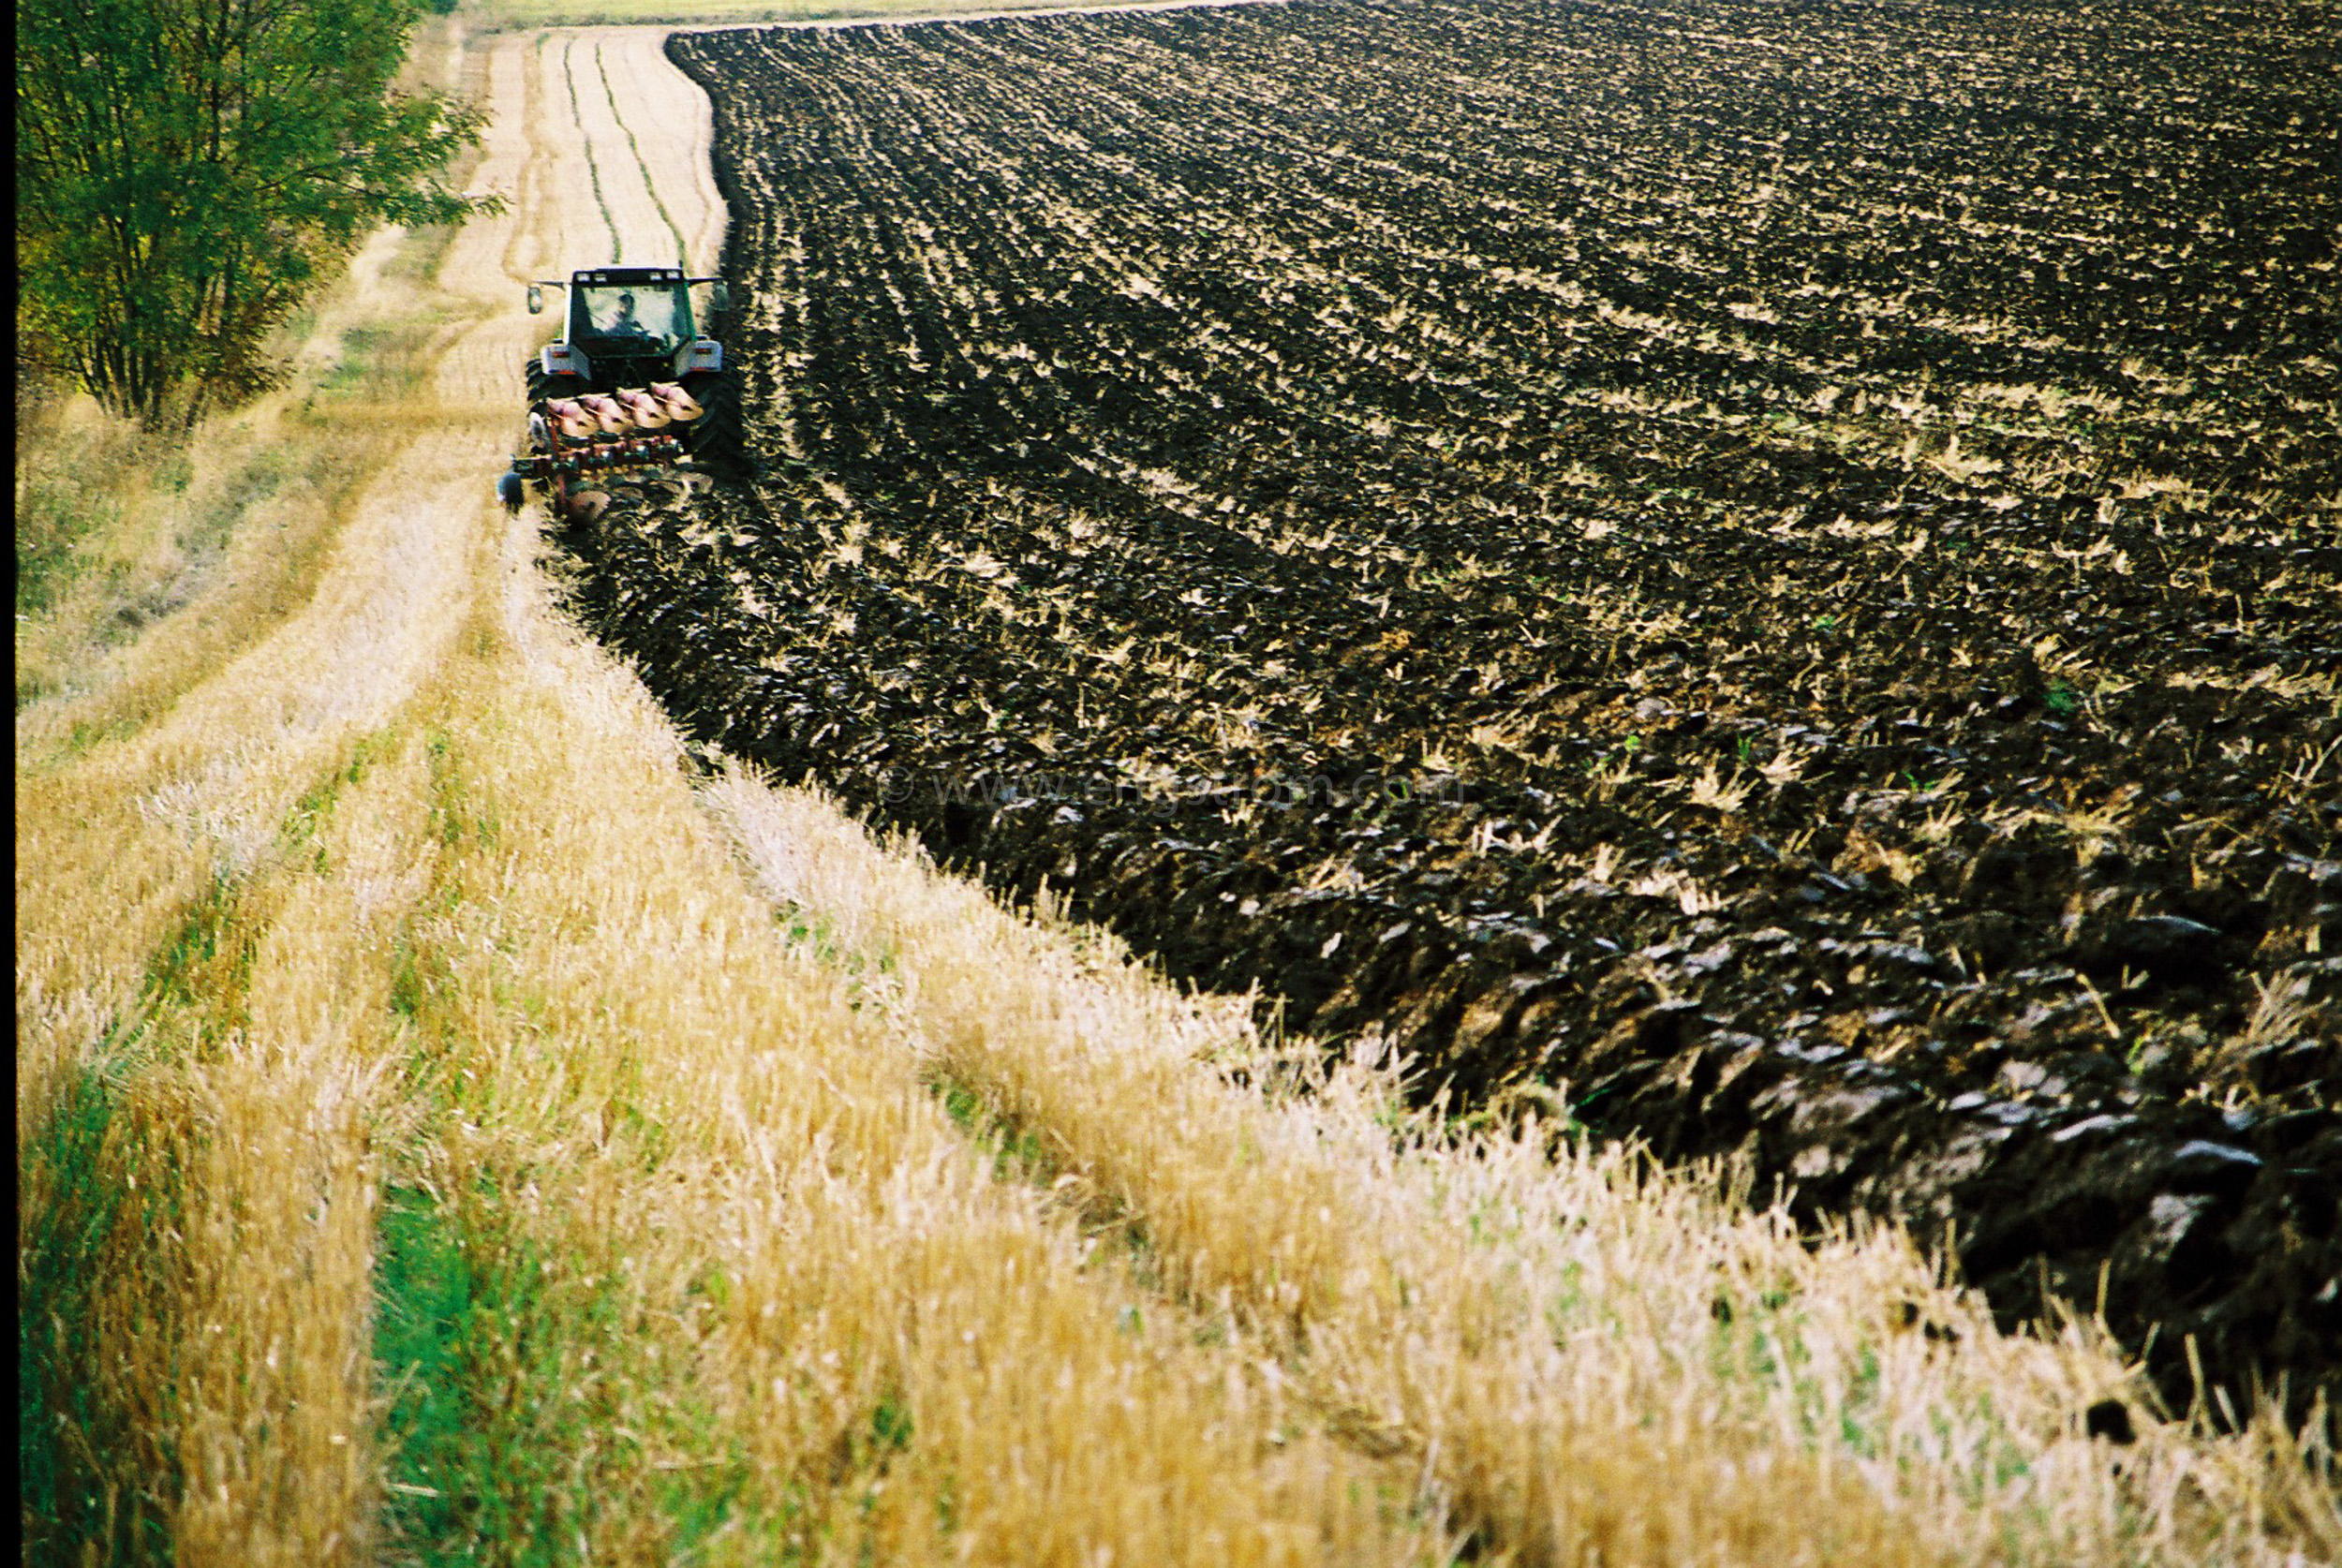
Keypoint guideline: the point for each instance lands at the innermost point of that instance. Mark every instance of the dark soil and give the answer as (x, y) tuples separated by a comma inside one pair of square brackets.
[(1770, 566)]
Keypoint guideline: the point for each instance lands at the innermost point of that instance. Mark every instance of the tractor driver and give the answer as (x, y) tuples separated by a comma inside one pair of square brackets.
[(623, 324)]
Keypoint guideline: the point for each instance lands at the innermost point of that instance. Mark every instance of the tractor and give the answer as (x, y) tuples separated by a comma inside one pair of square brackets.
[(630, 386)]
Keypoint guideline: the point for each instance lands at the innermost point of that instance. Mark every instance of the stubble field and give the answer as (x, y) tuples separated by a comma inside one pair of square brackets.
[(1765, 574)]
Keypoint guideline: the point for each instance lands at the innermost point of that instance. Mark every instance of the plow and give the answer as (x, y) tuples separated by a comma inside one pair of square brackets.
[(630, 406)]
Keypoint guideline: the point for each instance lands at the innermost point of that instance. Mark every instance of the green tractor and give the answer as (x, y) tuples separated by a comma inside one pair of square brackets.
[(631, 385)]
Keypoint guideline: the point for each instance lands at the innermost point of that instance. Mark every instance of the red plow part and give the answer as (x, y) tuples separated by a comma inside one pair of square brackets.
[(571, 437)]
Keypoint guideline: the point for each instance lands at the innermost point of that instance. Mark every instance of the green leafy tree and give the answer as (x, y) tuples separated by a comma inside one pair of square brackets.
[(186, 169)]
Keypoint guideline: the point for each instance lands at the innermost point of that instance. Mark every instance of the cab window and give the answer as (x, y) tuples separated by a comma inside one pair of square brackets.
[(645, 313)]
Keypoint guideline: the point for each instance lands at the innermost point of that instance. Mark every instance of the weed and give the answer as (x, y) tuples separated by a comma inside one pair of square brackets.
[(461, 822), (203, 963), (1017, 1154), (50, 521), (316, 802)]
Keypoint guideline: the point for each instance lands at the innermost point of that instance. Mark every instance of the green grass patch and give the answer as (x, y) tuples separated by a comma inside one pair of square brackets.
[(385, 362), (890, 1425), (469, 1347), (455, 819), (204, 965), (512, 1378), (811, 928), (89, 734), (315, 805), (1760, 1343), (53, 517), (1018, 1153), (353, 371), (73, 1445)]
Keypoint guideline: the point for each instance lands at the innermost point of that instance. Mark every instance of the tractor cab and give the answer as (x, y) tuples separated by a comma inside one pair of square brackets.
[(627, 326), (638, 311), (629, 315)]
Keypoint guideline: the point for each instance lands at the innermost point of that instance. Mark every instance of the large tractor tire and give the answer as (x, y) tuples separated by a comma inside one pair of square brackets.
[(716, 439), (541, 386)]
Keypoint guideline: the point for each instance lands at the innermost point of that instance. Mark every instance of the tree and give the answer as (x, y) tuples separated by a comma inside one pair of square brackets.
[(186, 169)]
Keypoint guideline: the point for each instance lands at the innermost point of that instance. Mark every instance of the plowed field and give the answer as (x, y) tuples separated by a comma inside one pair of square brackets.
[(1765, 571)]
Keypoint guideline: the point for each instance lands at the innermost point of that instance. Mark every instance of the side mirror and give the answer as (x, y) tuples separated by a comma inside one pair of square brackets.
[(720, 299), (536, 300)]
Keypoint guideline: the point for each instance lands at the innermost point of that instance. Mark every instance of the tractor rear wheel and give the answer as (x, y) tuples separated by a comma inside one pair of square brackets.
[(715, 439), (541, 386)]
